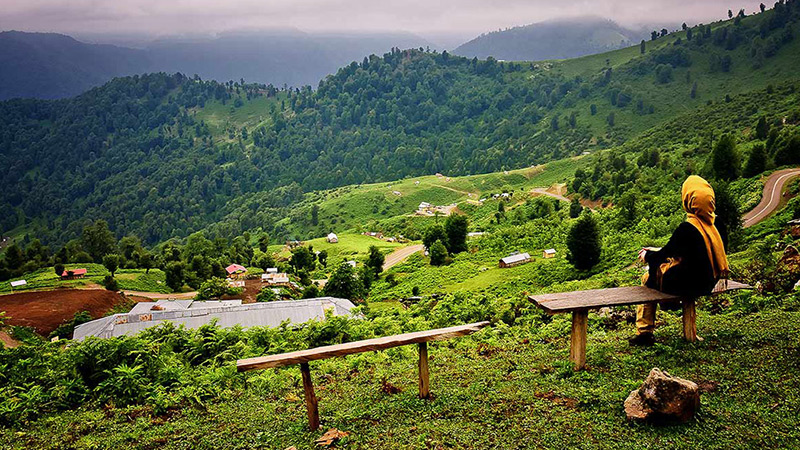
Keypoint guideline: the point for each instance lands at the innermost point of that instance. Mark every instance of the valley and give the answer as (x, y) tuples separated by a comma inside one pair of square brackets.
[(420, 190)]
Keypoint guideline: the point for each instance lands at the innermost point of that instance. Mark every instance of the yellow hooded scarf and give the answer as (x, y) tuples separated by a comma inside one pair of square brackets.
[(699, 204)]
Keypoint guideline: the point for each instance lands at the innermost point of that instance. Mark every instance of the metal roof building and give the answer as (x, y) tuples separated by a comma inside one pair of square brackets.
[(229, 313), (514, 260)]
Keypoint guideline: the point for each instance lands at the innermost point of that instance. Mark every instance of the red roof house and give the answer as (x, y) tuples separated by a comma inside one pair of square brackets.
[(235, 268), (74, 273)]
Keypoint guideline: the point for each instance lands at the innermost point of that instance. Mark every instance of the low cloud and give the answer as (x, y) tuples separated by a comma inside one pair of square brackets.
[(164, 17)]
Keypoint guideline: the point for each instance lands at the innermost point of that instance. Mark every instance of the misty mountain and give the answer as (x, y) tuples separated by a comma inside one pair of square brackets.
[(49, 65), (552, 39), (279, 57)]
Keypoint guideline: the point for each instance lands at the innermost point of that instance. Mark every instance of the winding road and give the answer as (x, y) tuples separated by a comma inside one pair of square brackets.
[(400, 255), (773, 192)]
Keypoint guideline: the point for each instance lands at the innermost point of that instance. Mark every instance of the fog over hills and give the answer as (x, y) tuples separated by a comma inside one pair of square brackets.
[(552, 39), (49, 65)]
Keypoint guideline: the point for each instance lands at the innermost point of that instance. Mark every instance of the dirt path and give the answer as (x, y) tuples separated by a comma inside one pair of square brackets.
[(400, 255), (160, 296), (546, 192), (7, 340), (773, 192)]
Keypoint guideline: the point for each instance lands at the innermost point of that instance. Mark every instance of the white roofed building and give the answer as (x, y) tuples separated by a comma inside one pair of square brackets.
[(515, 260)]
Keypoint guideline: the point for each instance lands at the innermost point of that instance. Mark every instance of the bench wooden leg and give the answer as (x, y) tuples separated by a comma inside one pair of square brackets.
[(424, 381), (311, 399), (577, 350), (689, 320)]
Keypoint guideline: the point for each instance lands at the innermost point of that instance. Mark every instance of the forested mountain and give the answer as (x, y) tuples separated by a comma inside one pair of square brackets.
[(552, 39), (164, 155), (49, 65), (281, 57)]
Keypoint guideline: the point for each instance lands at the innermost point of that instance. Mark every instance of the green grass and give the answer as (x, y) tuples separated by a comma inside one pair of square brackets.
[(127, 279), (505, 387), (367, 207)]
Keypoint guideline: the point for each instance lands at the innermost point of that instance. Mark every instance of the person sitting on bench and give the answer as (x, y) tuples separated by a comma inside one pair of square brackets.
[(691, 262)]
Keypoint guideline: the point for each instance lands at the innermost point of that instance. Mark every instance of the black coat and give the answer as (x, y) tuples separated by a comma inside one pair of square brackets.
[(693, 276)]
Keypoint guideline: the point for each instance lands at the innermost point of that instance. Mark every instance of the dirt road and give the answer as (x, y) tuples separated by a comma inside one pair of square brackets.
[(773, 192), (546, 192), (400, 255)]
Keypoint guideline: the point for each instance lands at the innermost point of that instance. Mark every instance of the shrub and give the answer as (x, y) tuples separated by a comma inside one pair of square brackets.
[(110, 283), (344, 283), (438, 253), (266, 295), (213, 288)]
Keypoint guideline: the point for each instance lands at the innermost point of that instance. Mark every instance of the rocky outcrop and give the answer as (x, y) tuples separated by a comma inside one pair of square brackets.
[(663, 398)]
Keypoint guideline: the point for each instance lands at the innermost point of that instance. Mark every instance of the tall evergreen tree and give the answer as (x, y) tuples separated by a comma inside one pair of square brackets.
[(756, 161), (725, 162), (583, 243), (456, 230), (575, 208), (762, 128), (375, 260)]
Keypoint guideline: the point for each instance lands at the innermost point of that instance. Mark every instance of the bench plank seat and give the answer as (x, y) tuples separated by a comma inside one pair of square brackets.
[(302, 357), (620, 296), (580, 302), (349, 348)]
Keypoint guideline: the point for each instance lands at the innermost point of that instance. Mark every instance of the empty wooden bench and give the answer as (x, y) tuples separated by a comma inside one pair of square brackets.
[(302, 357), (580, 302)]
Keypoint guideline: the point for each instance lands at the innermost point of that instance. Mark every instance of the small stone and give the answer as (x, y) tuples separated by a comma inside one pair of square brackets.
[(663, 398)]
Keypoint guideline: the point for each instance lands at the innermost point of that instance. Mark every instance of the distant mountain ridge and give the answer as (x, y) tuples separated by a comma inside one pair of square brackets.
[(552, 39), (51, 65)]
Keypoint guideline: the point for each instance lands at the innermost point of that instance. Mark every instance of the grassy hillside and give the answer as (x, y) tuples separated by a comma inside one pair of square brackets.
[(127, 279), (164, 156)]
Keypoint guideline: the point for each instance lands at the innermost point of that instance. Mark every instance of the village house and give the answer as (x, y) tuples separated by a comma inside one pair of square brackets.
[(549, 253), (275, 279), (235, 270), (515, 260), (73, 274), (332, 238)]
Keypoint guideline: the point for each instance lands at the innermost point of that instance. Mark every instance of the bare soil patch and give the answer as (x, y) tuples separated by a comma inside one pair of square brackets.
[(46, 310)]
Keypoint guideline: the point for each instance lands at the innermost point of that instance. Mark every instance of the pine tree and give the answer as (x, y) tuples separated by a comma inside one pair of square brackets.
[(575, 208), (583, 243), (729, 219), (642, 47), (725, 162), (762, 128), (455, 228), (756, 161), (375, 260)]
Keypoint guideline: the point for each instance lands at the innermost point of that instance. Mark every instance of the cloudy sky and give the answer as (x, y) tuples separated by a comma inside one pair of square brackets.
[(425, 17)]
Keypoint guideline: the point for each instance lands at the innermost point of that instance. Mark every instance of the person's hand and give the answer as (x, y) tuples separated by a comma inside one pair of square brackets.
[(642, 254)]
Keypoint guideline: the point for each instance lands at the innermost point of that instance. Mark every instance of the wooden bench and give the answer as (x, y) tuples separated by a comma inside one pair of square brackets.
[(303, 357), (580, 302)]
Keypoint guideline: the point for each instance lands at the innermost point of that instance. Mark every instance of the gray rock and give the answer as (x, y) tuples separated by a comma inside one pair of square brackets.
[(663, 398)]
